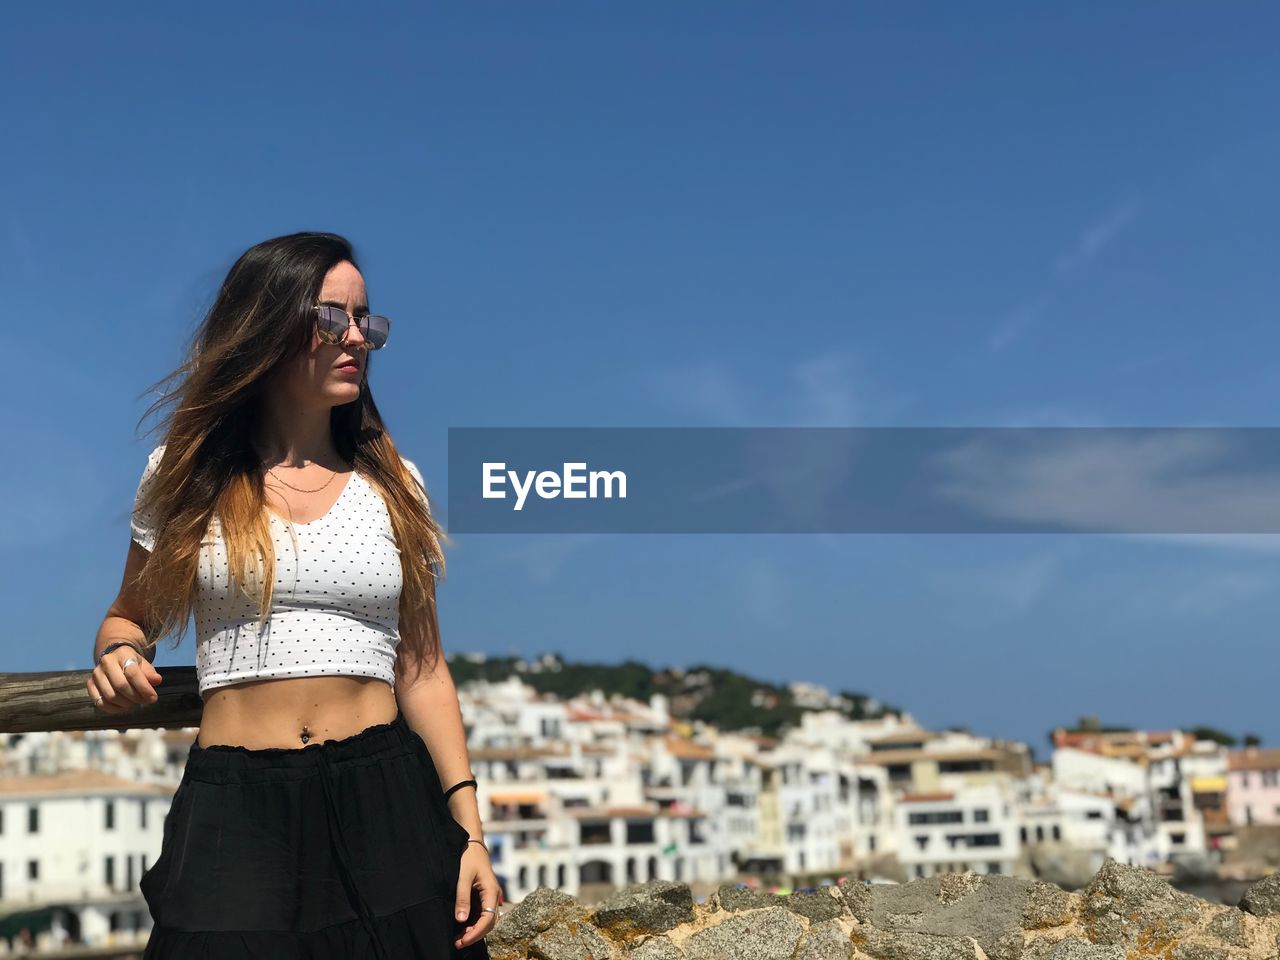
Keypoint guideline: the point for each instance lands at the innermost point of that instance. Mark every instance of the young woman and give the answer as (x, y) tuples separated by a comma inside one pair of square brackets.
[(310, 819)]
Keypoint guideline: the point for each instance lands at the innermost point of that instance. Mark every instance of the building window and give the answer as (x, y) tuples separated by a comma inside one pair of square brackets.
[(109, 876), (110, 823), (993, 867), (922, 841), (142, 814), (33, 869), (1057, 832), (33, 819), (981, 816), (936, 816), (639, 832)]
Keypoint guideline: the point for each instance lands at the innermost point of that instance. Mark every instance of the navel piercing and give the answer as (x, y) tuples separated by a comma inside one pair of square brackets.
[(306, 734)]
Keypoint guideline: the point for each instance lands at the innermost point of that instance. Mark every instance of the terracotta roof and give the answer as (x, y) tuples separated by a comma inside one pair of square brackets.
[(78, 782), (687, 749), (526, 796), (1252, 758), (516, 753), (926, 797)]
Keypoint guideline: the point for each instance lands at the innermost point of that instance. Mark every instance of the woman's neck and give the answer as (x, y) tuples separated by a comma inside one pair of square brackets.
[(295, 438)]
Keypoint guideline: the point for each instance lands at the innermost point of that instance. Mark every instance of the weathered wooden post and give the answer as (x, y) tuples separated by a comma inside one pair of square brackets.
[(58, 700)]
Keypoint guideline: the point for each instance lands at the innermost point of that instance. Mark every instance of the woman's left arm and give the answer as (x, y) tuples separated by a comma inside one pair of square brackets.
[(429, 702)]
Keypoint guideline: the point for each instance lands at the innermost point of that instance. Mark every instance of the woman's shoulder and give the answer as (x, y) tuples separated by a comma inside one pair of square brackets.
[(153, 462), (412, 468)]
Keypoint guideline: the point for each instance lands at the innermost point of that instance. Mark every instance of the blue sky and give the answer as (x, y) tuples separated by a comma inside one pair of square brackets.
[(724, 214)]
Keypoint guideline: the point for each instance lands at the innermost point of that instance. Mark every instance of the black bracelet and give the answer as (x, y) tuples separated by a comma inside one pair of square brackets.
[(460, 783), (121, 643)]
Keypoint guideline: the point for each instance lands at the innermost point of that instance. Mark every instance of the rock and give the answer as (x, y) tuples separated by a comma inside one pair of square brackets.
[(652, 907), (1134, 907), (1263, 898), (655, 948), (1007, 946), (910, 945), (537, 912), (825, 941), (1073, 948), (1199, 951), (1228, 926), (769, 934), (857, 898), (734, 896), (579, 941), (817, 905), (987, 907), (1049, 906), (1124, 913), (957, 886)]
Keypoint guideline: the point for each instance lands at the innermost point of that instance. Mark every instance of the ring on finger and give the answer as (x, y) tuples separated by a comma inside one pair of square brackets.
[(128, 663)]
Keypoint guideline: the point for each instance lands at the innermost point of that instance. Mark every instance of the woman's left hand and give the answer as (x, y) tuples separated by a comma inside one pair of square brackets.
[(476, 874)]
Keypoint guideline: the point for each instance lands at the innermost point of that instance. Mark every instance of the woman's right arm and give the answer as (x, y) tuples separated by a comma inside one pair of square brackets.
[(121, 688)]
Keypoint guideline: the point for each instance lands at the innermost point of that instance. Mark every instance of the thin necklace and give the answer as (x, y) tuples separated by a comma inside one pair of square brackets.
[(299, 489)]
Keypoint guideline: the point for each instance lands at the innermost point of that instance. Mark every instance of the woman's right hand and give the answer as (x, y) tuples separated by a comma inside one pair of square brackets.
[(117, 688)]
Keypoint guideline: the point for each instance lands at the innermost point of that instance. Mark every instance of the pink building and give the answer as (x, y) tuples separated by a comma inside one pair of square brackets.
[(1253, 786)]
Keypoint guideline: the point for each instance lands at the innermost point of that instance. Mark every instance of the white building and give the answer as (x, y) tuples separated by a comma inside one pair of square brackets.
[(75, 843), (952, 831)]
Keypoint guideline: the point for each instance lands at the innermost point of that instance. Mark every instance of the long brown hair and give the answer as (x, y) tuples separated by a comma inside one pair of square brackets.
[(260, 320)]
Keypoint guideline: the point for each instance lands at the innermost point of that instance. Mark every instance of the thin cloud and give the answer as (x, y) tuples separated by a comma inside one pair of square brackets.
[(1101, 482), (1090, 245), (1021, 319), (830, 389), (1097, 237)]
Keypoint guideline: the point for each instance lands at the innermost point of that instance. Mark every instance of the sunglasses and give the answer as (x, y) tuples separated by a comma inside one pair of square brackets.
[(333, 324)]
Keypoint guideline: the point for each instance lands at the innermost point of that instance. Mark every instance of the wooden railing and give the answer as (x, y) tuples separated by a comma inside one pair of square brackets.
[(60, 701)]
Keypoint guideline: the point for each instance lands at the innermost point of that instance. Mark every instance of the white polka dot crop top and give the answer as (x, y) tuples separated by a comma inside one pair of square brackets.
[(336, 602)]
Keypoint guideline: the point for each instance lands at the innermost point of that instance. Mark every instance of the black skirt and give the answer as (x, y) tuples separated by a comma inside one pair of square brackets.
[(338, 849)]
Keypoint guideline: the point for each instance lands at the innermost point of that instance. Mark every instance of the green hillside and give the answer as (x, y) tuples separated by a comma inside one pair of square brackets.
[(726, 698)]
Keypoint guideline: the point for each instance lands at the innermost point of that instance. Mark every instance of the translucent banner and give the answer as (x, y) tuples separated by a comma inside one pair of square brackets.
[(1186, 480)]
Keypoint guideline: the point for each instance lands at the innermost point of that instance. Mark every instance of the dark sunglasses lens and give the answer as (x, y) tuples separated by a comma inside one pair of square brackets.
[(376, 330), (331, 324)]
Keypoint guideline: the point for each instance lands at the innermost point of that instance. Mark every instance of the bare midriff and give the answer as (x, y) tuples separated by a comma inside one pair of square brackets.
[(294, 711)]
